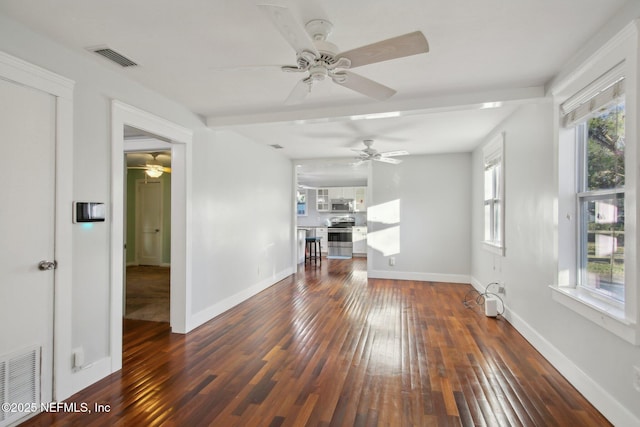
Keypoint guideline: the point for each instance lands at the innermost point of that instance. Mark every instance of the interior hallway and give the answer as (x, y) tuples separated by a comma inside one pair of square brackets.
[(329, 347)]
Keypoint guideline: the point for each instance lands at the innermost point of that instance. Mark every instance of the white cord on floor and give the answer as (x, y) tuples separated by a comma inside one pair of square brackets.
[(480, 297)]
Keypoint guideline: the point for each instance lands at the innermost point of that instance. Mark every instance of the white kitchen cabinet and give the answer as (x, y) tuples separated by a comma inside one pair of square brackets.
[(342, 193), (335, 193), (302, 234), (361, 199), (359, 234), (323, 233), (322, 200), (348, 193)]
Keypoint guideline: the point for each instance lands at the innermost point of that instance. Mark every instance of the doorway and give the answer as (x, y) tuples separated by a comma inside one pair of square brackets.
[(148, 233), (176, 139)]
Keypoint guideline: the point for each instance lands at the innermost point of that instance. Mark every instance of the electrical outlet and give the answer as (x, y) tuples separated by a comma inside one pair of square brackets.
[(501, 288), (392, 261), (636, 378), (78, 357)]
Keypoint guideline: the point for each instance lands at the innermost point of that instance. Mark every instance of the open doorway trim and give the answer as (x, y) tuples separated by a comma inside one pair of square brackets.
[(181, 139)]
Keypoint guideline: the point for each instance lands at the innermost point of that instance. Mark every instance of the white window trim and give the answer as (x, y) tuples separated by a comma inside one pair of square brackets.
[(306, 203), (618, 318), (493, 152)]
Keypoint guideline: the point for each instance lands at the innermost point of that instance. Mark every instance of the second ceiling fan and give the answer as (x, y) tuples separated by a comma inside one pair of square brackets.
[(370, 153), (321, 59)]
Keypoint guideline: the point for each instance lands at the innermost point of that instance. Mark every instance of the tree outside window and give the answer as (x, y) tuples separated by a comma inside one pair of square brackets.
[(601, 201)]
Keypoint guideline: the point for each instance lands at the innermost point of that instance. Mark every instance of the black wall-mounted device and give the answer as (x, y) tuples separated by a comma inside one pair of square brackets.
[(88, 212)]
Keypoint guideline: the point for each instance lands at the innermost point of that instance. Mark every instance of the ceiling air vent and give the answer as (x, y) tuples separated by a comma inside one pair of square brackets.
[(277, 146), (114, 56)]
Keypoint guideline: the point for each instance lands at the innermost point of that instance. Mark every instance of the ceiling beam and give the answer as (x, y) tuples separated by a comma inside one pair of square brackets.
[(400, 107)]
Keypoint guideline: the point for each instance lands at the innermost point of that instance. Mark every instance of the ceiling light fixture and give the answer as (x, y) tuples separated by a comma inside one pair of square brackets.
[(153, 168)]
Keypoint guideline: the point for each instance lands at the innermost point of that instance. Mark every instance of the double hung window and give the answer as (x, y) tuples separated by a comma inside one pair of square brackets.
[(597, 224), (493, 154), (598, 115)]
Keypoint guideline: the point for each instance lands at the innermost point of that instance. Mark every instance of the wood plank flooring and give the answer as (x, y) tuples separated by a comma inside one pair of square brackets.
[(327, 347)]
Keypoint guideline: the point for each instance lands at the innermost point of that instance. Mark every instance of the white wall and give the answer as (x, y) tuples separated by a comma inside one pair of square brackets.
[(594, 360), (418, 214), (242, 220), (219, 194)]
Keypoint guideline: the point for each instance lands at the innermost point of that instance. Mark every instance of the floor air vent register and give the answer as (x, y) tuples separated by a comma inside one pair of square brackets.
[(19, 383)]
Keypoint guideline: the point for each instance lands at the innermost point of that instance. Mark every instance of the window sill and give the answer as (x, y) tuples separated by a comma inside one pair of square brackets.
[(493, 248), (608, 315)]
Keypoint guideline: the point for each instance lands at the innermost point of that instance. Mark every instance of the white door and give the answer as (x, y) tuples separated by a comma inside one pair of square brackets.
[(27, 198), (149, 222)]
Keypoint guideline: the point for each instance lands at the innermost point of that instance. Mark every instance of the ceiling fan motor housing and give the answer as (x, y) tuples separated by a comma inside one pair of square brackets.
[(319, 29)]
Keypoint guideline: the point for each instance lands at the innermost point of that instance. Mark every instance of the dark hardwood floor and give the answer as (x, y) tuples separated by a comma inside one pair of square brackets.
[(327, 347)]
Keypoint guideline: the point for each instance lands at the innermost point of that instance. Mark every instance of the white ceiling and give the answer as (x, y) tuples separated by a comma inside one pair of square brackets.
[(218, 59)]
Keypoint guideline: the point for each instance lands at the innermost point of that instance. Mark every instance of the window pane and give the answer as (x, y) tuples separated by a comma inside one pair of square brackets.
[(497, 229), (497, 181), (487, 222), (605, 149), (488, 183), (603, 254)]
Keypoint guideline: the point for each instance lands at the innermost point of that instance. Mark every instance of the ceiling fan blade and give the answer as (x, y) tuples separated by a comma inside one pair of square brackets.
[(366, 86), (388, 160), (394, 153), (290, 28), (299, 93), (396, 47)]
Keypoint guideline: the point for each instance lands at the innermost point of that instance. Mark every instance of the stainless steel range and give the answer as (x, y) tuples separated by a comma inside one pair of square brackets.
[(340, 238)]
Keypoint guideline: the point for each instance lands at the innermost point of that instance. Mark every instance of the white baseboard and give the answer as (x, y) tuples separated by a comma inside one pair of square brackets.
[(210, 312), (89, 374), (590, 389), (423, 277)]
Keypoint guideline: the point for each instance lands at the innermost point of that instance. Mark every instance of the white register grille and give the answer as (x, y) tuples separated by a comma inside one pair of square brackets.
[(19, 384)]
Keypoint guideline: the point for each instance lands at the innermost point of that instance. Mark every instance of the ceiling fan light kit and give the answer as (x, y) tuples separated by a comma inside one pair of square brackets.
[(152, 168), (321, 58), (154, 171), (370, 153)]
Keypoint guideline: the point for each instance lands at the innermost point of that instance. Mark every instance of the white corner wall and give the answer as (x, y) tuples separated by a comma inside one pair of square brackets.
[(418, 214), (595, 361)]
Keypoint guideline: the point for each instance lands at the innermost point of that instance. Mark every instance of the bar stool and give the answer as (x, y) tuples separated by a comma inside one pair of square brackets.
[(313, 250)]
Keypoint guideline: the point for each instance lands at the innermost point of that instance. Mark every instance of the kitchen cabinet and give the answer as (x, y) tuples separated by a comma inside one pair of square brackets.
[(322, 200), (348, 193), (323, 233), (361, 199), (335, 193), (302, 234), (342, 193), (325, 195), (359, 235)]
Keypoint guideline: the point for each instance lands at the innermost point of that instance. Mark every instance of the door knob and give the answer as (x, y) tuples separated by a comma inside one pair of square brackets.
[(47, 265)]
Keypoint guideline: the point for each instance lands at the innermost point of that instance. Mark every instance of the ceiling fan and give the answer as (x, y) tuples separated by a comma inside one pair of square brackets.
[(153, 168), (372, 154), (321, 59)]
